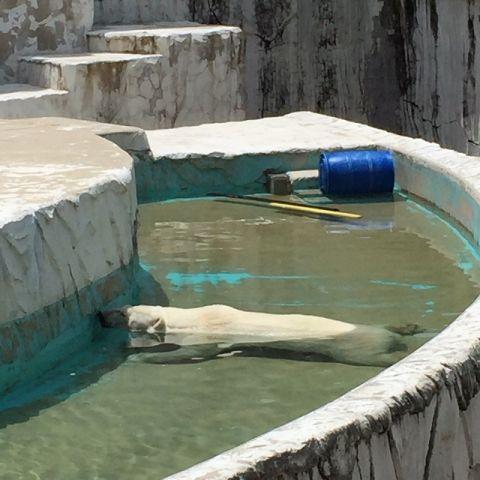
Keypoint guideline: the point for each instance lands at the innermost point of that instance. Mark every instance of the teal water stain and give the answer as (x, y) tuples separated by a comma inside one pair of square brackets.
[(470, 248), (430, 304), (413, 286), (186, 200), (146, 266), (178, 279), (466, 266)]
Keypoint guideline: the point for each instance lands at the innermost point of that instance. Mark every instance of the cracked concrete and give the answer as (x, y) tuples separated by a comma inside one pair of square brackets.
[(394, 65), (191, 75), (39, 26)]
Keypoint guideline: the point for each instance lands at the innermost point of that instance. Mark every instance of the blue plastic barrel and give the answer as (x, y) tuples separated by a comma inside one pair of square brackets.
[(356, 172)]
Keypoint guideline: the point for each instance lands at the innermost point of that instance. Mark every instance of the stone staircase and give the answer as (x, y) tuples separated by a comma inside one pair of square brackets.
[(150, 76)]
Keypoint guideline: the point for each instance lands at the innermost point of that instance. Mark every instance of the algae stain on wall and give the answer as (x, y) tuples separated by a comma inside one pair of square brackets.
[(408, 66), (41, 25)]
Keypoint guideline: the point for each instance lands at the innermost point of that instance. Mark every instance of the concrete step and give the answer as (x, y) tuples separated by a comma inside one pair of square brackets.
[(20, 100), (147, 91), (167, 38), (69, 72), (206, 63), (106, 87)]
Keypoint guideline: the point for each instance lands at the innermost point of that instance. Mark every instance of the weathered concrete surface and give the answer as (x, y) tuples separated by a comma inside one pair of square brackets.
[(201, 79), (33, 26), (22, 100), (162, 37), (161, 76), (67, 223), (406, 66), (416, 420), (403, 65), (116, 88), (108, 12)]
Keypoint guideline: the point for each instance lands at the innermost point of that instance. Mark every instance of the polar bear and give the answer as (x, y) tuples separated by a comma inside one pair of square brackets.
[(219, 330)]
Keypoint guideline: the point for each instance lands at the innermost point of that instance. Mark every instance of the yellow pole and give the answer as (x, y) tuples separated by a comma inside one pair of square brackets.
[(315, 210)]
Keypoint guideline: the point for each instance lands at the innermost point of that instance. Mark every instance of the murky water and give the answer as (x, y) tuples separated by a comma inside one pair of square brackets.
[(100, 417)]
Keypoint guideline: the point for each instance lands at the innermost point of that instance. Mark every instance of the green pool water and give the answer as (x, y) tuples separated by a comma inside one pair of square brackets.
[(111, 418)]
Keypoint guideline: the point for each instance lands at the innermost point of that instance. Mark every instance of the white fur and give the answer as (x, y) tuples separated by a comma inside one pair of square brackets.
[(224, 320), (218, 329)]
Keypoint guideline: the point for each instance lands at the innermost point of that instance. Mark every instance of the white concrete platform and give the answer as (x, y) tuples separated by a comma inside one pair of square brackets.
[(67, 224), (160, 37), (18, 91), (120, 88), (83, 58), (46, 161), (294, 133), (23, 100)]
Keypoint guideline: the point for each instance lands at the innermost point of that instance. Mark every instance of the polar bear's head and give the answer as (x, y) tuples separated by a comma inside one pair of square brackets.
[(142, 318)]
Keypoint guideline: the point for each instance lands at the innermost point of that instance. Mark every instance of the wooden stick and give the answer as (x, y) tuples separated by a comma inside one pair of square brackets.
[(316, 210), (294, 206), (269, 200)]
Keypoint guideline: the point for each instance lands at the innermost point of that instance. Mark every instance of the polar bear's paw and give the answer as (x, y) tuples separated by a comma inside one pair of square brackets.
[(407, 330)]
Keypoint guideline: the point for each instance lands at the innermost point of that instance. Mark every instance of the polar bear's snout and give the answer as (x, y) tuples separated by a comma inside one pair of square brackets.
[(136, 319), (114, 318)]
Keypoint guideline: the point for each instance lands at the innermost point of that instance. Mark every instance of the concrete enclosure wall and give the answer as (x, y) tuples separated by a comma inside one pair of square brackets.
[(40, 25), (139, 11), (408, 66), (67, 228), (67, 237), (415, 420)]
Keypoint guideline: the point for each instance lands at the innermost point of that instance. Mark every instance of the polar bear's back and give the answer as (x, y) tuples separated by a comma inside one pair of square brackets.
[(221, 319)]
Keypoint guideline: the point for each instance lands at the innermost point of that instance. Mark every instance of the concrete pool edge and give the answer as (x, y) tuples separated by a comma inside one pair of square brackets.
[(430, 397), (67, 235), (414, 420)]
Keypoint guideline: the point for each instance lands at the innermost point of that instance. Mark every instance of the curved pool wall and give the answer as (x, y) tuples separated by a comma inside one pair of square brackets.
[(417, 418), (72, 251), (168, 178), (67, 237)]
